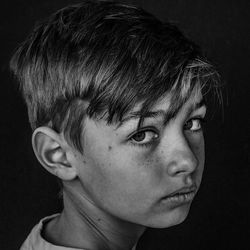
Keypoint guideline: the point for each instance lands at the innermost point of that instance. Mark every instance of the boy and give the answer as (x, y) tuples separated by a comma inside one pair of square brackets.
[(116, 103)]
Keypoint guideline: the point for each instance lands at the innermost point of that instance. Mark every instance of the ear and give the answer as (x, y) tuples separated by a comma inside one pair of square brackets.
[(53, 152)]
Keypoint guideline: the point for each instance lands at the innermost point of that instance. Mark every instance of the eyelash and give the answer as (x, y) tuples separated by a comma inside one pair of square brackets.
[(201, 121)]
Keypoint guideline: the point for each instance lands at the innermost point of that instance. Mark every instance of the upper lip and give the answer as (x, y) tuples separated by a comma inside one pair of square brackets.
[(184, 190)]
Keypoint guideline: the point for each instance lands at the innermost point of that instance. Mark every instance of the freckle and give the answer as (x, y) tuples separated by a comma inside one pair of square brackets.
[(110, 148)]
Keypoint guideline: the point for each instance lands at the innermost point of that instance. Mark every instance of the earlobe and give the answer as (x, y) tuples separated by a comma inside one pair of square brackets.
[(51, 151)]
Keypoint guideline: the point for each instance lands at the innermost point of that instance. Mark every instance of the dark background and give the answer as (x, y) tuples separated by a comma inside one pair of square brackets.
[(219, 218)]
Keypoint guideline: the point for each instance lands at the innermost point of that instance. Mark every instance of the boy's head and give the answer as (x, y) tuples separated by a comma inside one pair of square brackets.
[(100, 59), (115, 99)]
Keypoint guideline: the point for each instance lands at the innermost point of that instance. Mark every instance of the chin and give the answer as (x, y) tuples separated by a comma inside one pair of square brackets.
[(170, 217)]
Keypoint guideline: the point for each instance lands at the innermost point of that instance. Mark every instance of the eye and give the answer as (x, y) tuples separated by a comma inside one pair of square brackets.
[(194, 124), (144, 137)]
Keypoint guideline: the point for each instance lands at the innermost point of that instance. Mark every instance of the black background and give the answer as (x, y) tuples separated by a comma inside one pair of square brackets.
[(219, 218)]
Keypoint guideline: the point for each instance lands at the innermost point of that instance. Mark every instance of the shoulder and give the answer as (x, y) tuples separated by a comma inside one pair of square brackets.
[(35, 239)]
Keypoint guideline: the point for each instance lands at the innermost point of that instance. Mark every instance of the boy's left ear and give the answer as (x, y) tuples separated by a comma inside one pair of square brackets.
[(54, 153)]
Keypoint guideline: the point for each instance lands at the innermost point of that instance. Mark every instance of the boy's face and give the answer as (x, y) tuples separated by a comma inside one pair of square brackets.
[(131, 175)]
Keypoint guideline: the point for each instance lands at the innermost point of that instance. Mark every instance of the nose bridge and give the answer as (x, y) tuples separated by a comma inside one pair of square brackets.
[(180, 157)]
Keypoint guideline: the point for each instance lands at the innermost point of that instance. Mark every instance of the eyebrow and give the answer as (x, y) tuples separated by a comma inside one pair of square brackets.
[(167, 115), (196, 105)]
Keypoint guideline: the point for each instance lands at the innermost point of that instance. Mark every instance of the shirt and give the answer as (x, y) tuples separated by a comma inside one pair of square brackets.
[(35, 241)]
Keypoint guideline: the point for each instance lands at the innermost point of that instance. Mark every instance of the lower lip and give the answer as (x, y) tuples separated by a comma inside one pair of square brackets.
[(180, 199)]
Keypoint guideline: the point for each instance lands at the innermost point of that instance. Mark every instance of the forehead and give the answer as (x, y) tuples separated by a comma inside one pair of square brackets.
[(169, 101), (164, 108)]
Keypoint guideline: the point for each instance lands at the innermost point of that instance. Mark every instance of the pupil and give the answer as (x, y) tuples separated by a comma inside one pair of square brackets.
[(139, 136), (189, 124)]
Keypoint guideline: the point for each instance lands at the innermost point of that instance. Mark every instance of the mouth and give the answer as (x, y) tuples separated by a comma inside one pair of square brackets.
[(181, 196)]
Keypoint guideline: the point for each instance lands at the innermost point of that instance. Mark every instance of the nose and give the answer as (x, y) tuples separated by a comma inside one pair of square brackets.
[(181, 158)]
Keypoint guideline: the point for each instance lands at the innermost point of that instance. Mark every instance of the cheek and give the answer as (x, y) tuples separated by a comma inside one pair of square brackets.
[(122, 177), (198, 147), (127, 172), (196, 143), (200, 151)]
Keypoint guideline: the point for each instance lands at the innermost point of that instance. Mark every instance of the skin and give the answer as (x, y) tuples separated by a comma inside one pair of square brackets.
[(122, 178)]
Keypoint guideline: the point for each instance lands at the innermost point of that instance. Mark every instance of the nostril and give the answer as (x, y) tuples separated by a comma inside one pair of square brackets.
[(179, 172)]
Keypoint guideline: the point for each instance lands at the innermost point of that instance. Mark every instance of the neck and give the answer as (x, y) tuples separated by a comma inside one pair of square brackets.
[(84, 225)]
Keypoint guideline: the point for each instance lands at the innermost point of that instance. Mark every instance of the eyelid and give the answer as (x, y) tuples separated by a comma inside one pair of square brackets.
[(142, 129), (200, 112)]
